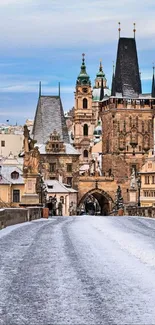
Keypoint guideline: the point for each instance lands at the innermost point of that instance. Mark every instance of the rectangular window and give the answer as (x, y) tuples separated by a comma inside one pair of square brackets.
[(69, 168), (2, 143), (16, 196), (69, 181), (147, 180), (153, 179), (52, 167)]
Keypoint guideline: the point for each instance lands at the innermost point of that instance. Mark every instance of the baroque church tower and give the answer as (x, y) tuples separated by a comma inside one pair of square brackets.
[(84, 118)]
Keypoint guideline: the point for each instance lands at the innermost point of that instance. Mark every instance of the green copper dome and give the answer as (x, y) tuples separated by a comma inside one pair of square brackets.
[(101, 73), (83, 78)]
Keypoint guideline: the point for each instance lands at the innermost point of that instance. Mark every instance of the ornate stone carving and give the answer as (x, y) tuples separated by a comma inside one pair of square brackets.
[(55, 144)]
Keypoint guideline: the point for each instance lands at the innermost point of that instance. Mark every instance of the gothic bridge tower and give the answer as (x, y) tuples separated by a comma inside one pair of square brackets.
[(84, 117)]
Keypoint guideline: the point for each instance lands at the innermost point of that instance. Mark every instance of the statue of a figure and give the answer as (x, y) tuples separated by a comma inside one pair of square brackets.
[(28, 142), (26, 139), (35, 160), (133, 180), (31, 162), (118, 199)]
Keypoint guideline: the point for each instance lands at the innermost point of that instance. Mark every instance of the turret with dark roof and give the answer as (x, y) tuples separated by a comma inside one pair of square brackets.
[(127, 77)]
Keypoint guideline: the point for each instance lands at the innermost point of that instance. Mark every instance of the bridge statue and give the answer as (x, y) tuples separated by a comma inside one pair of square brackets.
[(133, 183)]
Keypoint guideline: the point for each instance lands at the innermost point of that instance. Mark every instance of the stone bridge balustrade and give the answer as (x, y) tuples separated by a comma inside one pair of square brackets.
[(141, 211)]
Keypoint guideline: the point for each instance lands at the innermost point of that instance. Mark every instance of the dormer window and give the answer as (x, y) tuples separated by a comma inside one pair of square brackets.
[(15, 175)]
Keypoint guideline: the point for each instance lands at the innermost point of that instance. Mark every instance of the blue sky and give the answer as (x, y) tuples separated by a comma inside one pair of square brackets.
[(44, 39)]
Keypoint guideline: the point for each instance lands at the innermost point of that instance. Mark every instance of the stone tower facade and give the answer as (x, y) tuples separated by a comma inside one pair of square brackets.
[(84, 118), (127, 119)]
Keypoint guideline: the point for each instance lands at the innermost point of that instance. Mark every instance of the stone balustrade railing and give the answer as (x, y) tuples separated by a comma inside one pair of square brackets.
[(141, 211)]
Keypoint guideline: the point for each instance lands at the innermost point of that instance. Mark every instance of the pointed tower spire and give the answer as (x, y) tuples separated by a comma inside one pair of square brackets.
[(59, 89), (102, 90), (153, 84), (40, 89), (113, 82)]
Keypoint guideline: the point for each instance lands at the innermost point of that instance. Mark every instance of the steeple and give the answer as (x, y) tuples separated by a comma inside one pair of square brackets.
[(127, 79), (153, 84), (83, 78), (113, 82), (40, 89), (102, 90), (100, 72)]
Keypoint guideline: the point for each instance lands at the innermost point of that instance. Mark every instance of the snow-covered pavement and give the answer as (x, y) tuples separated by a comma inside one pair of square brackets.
[(78, 270)]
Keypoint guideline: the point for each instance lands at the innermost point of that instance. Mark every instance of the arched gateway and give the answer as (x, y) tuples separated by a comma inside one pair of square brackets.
[(102, 201)]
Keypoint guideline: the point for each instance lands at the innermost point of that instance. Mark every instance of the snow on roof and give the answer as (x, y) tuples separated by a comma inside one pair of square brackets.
[(54, 186), (70, 150)]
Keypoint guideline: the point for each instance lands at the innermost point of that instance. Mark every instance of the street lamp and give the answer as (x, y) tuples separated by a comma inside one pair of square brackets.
[(139, 186)]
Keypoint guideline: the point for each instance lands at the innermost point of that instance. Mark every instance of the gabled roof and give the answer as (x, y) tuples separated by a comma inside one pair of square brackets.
[(49, 116), (127, 77), (54, 186)]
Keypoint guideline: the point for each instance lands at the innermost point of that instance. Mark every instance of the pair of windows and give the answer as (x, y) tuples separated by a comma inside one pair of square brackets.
[(53, 168)]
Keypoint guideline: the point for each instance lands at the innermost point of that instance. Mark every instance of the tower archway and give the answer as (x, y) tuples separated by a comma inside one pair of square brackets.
[(102, 202)]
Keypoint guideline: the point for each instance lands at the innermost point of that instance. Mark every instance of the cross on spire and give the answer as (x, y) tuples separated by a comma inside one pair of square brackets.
[(83, 57), (134, 29)]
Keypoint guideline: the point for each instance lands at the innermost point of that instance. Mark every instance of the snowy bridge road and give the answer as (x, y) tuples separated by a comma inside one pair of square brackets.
[(78, 270)]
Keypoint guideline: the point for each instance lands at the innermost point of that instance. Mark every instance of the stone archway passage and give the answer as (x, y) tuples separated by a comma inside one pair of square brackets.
[(104, 201)]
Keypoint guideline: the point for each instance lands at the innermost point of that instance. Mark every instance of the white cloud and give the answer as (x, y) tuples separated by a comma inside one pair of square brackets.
[(36, 23)]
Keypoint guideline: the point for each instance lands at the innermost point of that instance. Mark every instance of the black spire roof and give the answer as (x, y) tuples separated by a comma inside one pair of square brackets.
[(153, 85), (127, 77)]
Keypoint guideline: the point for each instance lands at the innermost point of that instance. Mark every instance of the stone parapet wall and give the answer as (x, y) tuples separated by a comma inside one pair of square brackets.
[(14, 216), (141, 211)]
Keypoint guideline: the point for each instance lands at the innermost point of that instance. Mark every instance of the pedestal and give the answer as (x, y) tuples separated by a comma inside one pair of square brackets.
[(133, 196), (30, 197)]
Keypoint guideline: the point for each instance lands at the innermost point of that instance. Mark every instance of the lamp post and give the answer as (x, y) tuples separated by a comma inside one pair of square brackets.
[(139, 186)]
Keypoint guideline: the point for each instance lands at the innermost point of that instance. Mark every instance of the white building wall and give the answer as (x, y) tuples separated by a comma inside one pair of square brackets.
[(10, 143)]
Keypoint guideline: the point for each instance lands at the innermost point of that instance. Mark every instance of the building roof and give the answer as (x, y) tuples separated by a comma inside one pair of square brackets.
[(54, 186), (97, 93), (49, 116), (70, 150), (6, 172), (127, 76)]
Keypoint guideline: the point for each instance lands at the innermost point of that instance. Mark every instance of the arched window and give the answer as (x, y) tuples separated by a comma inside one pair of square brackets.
[(85, 130), (85, 103), (85, 153)]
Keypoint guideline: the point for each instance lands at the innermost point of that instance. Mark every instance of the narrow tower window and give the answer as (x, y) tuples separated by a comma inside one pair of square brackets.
[(85, 130), (85, 103), (85, 153)]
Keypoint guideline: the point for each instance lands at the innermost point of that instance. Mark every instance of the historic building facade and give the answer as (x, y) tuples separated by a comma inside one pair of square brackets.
[(86, 111), (59, 160), (127, 130)]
